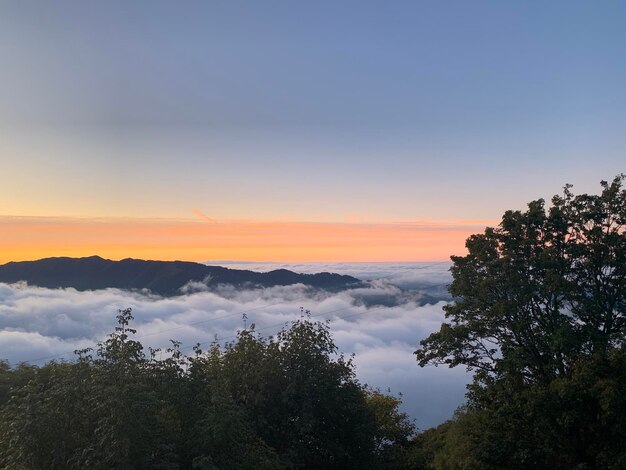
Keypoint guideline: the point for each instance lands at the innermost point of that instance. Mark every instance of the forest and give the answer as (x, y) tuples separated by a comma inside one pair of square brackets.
[(284, 402), (538, 317)]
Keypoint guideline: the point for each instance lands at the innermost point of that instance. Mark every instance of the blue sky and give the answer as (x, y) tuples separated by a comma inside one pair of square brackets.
[(314, 111)]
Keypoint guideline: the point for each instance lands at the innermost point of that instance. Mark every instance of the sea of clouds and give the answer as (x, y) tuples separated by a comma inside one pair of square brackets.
[(380, 324)]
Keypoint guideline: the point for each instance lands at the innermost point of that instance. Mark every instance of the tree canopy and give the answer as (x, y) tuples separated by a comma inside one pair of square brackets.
[(290, 401), (539, 316)]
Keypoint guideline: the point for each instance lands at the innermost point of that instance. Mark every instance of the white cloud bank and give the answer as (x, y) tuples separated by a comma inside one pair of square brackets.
[(407, 275), (38, 324)]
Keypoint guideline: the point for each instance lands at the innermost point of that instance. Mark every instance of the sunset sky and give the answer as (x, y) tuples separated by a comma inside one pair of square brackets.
[(297, 131)]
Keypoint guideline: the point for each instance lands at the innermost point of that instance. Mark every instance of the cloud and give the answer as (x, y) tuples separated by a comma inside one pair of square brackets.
[(203, 216), (38, 324), (428, 281), (407, 275)]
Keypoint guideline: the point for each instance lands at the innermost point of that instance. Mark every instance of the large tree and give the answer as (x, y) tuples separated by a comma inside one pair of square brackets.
[(540, 316)]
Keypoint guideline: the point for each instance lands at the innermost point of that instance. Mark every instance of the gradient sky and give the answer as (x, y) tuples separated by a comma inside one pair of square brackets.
[(351, 130)]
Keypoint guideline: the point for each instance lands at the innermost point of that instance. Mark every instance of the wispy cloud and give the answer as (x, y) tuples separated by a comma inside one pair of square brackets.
[(203, 216)]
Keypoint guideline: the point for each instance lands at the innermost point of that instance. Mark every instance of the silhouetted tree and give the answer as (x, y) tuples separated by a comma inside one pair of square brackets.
[(539, 315), (284, 402)]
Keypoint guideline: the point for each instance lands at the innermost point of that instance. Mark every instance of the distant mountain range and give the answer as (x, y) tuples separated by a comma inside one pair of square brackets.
[(164, 278)]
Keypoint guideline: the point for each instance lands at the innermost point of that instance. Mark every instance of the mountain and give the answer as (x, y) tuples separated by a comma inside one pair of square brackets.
[(165, 278)]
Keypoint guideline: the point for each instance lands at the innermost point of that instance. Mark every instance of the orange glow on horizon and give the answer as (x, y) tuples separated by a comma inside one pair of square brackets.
[(29, 238)]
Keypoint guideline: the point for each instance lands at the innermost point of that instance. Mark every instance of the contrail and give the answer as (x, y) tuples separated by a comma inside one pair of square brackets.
[(202, 215)]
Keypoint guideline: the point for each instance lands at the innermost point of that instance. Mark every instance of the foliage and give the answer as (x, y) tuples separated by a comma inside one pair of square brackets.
[(258, 403), (393, 430), (539, 316)]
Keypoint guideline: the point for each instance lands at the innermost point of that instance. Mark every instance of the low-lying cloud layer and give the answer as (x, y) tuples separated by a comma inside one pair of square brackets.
[(426, 278), (37, 325)]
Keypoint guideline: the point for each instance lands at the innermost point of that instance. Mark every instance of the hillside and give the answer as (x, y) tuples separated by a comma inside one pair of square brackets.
[(165, 278)]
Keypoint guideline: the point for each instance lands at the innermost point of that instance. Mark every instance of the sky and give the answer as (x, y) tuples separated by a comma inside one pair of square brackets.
[(298, 131)]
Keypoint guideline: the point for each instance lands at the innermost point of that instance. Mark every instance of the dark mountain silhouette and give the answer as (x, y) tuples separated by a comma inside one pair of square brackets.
[(160, 277)]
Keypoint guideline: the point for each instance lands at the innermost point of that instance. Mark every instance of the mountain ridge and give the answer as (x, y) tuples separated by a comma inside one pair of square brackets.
[(165, 278)]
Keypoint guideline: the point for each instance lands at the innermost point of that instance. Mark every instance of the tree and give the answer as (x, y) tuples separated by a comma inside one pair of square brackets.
[(301, 396), (394, 430), (258, 403), (101, 412), (540, 310)]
